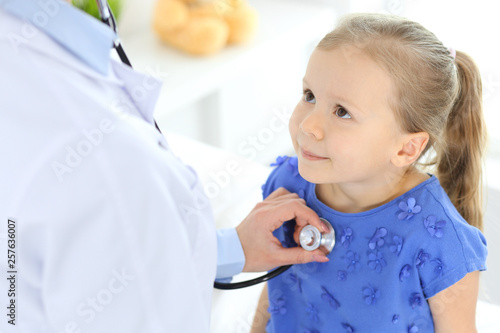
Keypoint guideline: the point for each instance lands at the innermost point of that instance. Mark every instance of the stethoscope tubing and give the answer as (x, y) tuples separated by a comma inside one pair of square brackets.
[(108, 18), (325, 241), (248, 283)]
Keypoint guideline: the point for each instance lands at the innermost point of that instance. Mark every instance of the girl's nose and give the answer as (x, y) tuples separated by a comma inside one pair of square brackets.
[(312, 124)]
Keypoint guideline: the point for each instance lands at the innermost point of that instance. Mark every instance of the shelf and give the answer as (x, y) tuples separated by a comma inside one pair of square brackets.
[(283, 25)]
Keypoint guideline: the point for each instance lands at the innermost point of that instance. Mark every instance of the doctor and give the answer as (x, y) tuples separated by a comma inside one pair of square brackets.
[(102, 228)]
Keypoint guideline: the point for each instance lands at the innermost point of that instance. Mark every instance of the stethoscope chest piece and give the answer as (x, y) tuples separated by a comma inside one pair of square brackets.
[(311, 238)]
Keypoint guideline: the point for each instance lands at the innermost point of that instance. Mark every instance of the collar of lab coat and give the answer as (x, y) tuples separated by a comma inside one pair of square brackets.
[(86, 38), (143, 89), (89, 42)]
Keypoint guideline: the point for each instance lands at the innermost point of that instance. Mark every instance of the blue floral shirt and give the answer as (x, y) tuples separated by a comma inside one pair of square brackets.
[(385, 264)]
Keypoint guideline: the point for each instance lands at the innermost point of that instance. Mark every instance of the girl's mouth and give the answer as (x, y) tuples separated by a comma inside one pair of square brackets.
[(310, 156)]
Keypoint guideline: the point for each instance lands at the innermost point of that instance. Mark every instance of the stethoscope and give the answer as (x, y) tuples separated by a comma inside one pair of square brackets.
[(108, 18), (310, 237)]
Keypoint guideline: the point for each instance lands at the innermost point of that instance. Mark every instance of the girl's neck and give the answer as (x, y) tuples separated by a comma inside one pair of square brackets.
[(356, 198)]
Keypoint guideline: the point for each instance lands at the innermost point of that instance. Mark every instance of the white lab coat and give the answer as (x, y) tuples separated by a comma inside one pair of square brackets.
[(113, 232)]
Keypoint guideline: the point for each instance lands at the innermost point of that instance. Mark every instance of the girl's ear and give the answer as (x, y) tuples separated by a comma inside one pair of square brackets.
[(413, 145)]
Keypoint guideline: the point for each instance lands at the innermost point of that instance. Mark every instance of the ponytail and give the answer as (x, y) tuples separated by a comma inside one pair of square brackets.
[(436, 94), (459, 162)]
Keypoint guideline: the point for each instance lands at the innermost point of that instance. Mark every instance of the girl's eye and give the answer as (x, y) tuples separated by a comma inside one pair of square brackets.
[(309, 97), (342, 113)]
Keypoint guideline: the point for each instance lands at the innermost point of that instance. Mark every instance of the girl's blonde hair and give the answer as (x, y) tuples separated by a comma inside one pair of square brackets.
[(435, 93)]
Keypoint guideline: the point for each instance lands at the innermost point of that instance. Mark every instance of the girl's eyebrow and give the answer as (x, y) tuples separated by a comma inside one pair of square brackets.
[(344, 101)]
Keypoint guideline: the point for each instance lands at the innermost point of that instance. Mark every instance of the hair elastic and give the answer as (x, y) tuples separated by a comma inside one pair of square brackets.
[(453, 53)]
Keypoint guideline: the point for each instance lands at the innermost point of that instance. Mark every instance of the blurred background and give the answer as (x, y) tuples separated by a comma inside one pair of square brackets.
[(229, 99), (239, 99)]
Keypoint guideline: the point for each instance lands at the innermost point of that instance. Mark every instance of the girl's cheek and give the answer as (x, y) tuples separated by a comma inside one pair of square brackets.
[(294, 123)]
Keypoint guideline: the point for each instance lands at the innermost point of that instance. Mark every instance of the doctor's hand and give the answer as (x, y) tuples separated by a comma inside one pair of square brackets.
[(262, 250)]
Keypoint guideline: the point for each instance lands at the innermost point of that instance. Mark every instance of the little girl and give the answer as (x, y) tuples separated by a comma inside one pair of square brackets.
[(380, 94)]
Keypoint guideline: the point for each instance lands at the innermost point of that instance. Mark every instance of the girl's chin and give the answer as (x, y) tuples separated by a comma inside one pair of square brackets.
[(310, 175)]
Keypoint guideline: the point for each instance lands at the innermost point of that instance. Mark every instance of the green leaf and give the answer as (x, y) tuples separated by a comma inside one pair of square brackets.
[(90, 7)]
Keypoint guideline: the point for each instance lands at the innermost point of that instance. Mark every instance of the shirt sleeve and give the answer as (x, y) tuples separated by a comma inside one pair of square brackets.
[(230, 255), (460, 249)]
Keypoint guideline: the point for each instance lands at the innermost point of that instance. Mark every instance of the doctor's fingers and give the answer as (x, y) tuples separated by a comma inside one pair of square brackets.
[(293, 208), (297, 255), (298, 229), (302, 214), (296, 233)]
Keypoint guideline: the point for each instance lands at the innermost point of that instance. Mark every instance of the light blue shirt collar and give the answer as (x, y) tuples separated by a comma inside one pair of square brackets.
[(82, 35)]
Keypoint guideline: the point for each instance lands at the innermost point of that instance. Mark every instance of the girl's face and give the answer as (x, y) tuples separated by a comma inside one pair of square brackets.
[(343, 129)]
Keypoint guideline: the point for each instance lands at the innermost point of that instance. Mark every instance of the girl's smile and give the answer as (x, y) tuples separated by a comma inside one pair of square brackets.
[(310, 156), (345, 132)]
